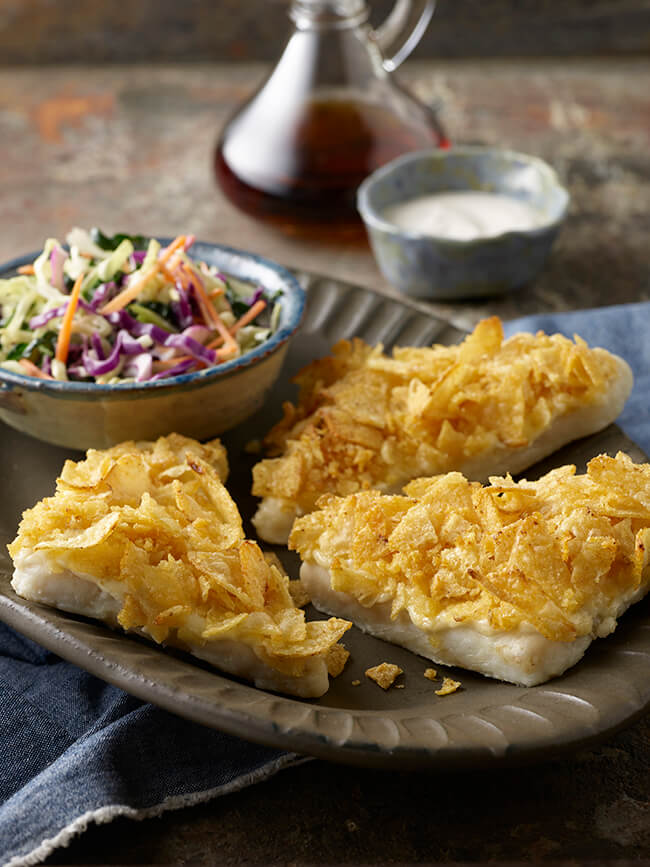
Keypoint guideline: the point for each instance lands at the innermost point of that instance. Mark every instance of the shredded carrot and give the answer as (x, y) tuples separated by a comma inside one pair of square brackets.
[(132, 291), (63, 340), (228, 351), (230, 346), (26, 269), (174, 262), (250, 314), (164, 363), (127, 295), (187, 275), (32, 370), (166, 272), (209, 311), (165, 255)]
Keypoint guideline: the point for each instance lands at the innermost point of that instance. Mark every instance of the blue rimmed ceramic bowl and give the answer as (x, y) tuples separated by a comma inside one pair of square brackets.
[(202, 404), (426, 266)]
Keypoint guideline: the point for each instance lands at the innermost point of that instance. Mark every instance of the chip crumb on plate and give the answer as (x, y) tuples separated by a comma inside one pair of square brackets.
[(336, 658), (431, 674), (448, 686), (384, 674), (356, 683)]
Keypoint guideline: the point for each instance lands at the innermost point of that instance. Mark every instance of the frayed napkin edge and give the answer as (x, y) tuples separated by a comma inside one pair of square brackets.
[(103, 815)]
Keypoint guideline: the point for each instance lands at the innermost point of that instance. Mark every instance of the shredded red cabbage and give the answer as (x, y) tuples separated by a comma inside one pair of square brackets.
[(44, 318), (139, 367), (255, 297), (103, 294), (192, 347), (124, 345), (57, 260), (122, 319), (74, 352), (181, 367), (98, 346), (182, 308)]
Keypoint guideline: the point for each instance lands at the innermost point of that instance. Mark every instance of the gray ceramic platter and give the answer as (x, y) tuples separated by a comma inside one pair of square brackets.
[(485, 723)]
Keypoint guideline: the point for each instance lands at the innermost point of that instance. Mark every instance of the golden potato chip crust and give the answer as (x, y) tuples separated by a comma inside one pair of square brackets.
[(365, 420), (558, 554), (153, 525), (299, 593)]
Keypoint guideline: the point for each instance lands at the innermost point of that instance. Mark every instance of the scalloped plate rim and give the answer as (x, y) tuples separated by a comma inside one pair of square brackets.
[(248, 711)]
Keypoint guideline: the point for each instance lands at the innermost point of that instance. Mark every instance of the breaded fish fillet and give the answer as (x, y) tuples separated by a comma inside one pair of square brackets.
[(146, 537), (486, 406), (512, 580)]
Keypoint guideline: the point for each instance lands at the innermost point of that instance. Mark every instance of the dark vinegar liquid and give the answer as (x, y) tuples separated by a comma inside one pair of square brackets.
[(306, 183)]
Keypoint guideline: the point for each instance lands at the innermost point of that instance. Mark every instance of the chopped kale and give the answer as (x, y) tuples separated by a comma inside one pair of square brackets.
[(35, 349), (17, 352), (112, 242)]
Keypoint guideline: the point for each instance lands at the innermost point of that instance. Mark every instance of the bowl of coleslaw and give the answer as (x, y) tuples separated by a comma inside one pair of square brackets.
[(110, 338)]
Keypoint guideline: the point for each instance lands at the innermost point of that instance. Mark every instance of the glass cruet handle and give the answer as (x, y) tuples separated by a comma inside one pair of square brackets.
[(402, 30)]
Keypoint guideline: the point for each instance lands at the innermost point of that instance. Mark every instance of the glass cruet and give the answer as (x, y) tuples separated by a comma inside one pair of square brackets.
[(328, 114)]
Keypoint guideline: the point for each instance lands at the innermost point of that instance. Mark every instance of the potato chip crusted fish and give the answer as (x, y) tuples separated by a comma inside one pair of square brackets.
[(486, 406), (146, 537), (513, 580)]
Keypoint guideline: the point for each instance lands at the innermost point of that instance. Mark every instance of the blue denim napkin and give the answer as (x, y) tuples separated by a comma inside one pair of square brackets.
[(74, 750)]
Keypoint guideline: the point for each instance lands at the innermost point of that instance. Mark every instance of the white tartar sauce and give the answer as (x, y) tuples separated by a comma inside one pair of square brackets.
[(464, 215)]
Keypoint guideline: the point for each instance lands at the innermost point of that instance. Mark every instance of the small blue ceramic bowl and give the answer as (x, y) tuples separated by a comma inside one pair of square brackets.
[(426, 266), (203, 404)]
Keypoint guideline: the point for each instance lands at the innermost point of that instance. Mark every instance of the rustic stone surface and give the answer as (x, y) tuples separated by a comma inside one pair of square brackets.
[(131, 147), (590, 808)]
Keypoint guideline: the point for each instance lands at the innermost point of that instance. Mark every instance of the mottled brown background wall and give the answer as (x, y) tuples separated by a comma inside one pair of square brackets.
[(45, 31)]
